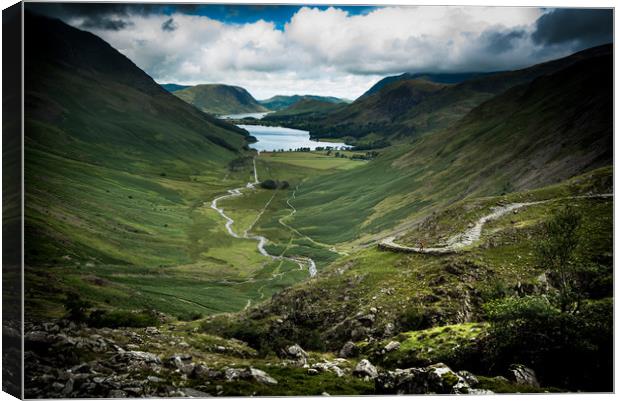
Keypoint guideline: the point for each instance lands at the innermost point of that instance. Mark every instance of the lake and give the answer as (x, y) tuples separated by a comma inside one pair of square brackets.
[(276, 138)]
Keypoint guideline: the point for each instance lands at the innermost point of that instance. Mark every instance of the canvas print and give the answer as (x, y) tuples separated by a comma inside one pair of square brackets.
[(287, 200)]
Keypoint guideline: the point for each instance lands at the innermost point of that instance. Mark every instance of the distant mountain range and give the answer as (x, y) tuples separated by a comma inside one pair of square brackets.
[(220, 99), (442, 78), (408, 107), (174, 87), (280, 102)]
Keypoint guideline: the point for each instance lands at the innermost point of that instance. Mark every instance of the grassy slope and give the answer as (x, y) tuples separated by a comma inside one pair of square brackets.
[(446, 289), (443, 108), (532, 135), (117, 173), (220, 99)]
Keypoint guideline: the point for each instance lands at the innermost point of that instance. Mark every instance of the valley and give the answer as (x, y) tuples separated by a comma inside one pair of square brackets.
[(442, 233)]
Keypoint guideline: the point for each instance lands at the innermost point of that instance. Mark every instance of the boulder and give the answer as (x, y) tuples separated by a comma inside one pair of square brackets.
[(193, 393), (522, 375), (470, 378), (391, 346), (438, 379), (349, 350), (260, 376), (365, 369), (296, 353)]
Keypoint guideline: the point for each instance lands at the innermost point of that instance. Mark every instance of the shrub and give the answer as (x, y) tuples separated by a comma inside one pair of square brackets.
[(568, 350)]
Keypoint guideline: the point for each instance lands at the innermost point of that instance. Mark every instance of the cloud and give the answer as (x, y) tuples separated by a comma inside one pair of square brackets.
[(333, 52), (581, 27), (104, 23), (169, 25)]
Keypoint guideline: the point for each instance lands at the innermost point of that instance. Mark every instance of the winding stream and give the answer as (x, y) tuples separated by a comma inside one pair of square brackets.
[(261, 240)]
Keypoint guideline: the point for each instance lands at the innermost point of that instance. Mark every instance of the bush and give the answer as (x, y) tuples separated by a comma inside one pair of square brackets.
[(269, 184), (567, 350), (76, 308)]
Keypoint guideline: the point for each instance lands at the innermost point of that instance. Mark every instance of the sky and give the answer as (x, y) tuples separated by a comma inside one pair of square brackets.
[(329, 50)]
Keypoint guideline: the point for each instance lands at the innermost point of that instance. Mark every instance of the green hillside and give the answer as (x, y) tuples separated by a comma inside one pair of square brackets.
[(443, 78), (220, 99), (301, 111), (116, 167), (531, 135), (430, 304), (174, 87), (412, 115), (280, 102)]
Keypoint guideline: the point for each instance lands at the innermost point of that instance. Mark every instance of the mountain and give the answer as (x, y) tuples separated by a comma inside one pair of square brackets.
[(220, 99), (547, 144), (111, 157), (531, 135), (442, 78), (280, 102), (449, 103), (174, 87), (301, 111)]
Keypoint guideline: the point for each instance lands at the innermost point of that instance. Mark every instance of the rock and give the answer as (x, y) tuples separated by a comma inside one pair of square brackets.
[(469, 378), (479, 391), (349, 350), (365, 369), (260, 376), (367, 320), (142, 356), (178, 361), (135, 391), (389, 330), (328, 366), (68, 387), (522, 375), (193, 393), (152, 331), (117, 394), (392, 345), (313, 372), (438, 378), (296, 353), (200, 371), (154, 379)]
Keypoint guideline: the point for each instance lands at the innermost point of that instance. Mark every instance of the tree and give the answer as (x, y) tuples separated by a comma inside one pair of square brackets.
[(557, 252)]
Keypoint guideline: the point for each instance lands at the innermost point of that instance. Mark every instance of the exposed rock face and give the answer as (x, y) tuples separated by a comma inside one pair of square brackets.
[(365, 369), (522, 375), (437, 378), (65, 360)]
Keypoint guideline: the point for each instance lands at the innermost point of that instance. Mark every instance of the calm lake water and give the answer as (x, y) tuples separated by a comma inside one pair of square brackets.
[(276, 138)]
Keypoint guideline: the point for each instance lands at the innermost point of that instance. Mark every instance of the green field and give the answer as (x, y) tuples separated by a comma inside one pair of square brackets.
[(313, 160)]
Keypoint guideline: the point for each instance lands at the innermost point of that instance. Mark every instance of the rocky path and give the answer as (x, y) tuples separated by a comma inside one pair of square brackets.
[(460, 241), (261, 240)]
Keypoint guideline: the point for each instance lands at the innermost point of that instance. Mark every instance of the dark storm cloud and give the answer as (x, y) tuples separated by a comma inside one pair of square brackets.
[(587, 27), (169, 25), (501, 41), (108, 24)]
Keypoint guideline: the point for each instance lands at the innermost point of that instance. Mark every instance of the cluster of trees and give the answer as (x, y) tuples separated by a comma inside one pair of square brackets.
[(274, 184)]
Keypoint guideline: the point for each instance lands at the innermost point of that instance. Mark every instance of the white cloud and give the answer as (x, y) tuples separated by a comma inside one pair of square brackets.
[(328, 51)]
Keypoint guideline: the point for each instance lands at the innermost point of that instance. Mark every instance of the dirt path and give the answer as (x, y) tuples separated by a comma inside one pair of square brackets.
[(261, 240), (460, 241)]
